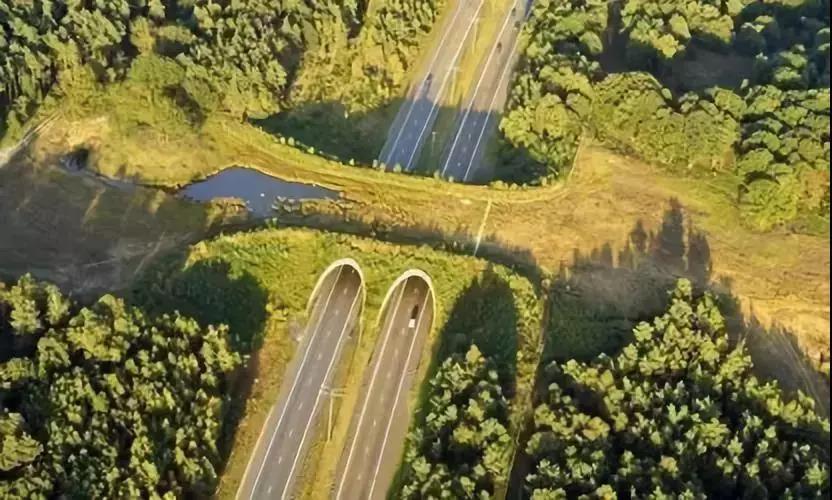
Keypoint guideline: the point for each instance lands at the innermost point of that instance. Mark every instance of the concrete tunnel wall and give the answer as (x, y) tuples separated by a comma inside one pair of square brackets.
[(325, 274), (401, 279)]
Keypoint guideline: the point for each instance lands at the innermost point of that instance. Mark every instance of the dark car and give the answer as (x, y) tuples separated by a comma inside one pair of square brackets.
[(414, 313)]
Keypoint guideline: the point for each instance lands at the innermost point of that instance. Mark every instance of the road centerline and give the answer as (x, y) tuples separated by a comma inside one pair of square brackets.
[(476, 91), (299, 449), (370, 390), (441, 89), (296, 379), (505, 73), (435, 57), (398, 394)]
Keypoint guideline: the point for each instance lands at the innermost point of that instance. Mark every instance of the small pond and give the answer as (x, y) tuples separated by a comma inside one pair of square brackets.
[(257, 189)]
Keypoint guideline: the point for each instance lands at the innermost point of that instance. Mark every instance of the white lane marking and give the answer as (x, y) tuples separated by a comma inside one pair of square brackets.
[(434, 103), (369, 393), (291, 432), (300, 406), (280, 460), (296, 381), (476, 91), (413, 102), (375, 422), (269, 492), (398, 394), (320, 393), (319, 356), (500, 82)]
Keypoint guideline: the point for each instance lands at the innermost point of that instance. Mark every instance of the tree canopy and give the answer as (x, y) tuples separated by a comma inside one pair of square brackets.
[(771, 130), (240, 57), (553, 88), (677, 414), (459, 448), (784, 151), (105, 402)]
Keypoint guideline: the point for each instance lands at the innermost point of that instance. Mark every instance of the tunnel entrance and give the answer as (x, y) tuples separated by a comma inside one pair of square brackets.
[(340, 269), (379, 426), (334, 311), (412, 283)]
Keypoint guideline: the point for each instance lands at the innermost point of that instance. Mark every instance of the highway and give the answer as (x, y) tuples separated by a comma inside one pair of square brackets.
[(478, 121), (290, 427), (379, 426), (418, 113)]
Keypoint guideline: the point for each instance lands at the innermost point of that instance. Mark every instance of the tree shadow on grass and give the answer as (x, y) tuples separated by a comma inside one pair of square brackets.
[(484, 315), (211, 292), (599, 297), (84, 233), (776, 351), (595, 301), (330, 129)]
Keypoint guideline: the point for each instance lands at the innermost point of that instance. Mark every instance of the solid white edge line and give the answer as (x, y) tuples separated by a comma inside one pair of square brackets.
[(412, 102), (398, 395), (476, 89), (318, 397), (441, 89), (370, 390), (506, 71), (294, 385)]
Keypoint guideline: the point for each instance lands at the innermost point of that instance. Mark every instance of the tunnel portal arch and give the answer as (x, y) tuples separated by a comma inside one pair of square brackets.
[(410, 273), (333, 267)]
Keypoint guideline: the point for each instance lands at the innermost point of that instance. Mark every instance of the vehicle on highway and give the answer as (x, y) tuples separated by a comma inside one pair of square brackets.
[(414, 313), (426, 84)]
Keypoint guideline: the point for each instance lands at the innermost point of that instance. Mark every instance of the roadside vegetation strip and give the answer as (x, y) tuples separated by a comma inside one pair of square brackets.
[(281, 266), (468, 67), (411, 98), (486, 64)]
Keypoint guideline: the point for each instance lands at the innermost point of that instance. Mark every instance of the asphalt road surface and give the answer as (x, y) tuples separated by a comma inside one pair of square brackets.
[(415, 119), (290, 426), (477, 121), (379, 426)]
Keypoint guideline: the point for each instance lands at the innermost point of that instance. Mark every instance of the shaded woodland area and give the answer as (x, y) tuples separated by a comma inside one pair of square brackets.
[(735, 87), (244, 59)]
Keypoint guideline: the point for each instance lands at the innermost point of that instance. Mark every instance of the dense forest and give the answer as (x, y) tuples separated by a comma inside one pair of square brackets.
[(92, 399), (677, 414), (239, 58), (367, 72), (756, 106), (460, 448)]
